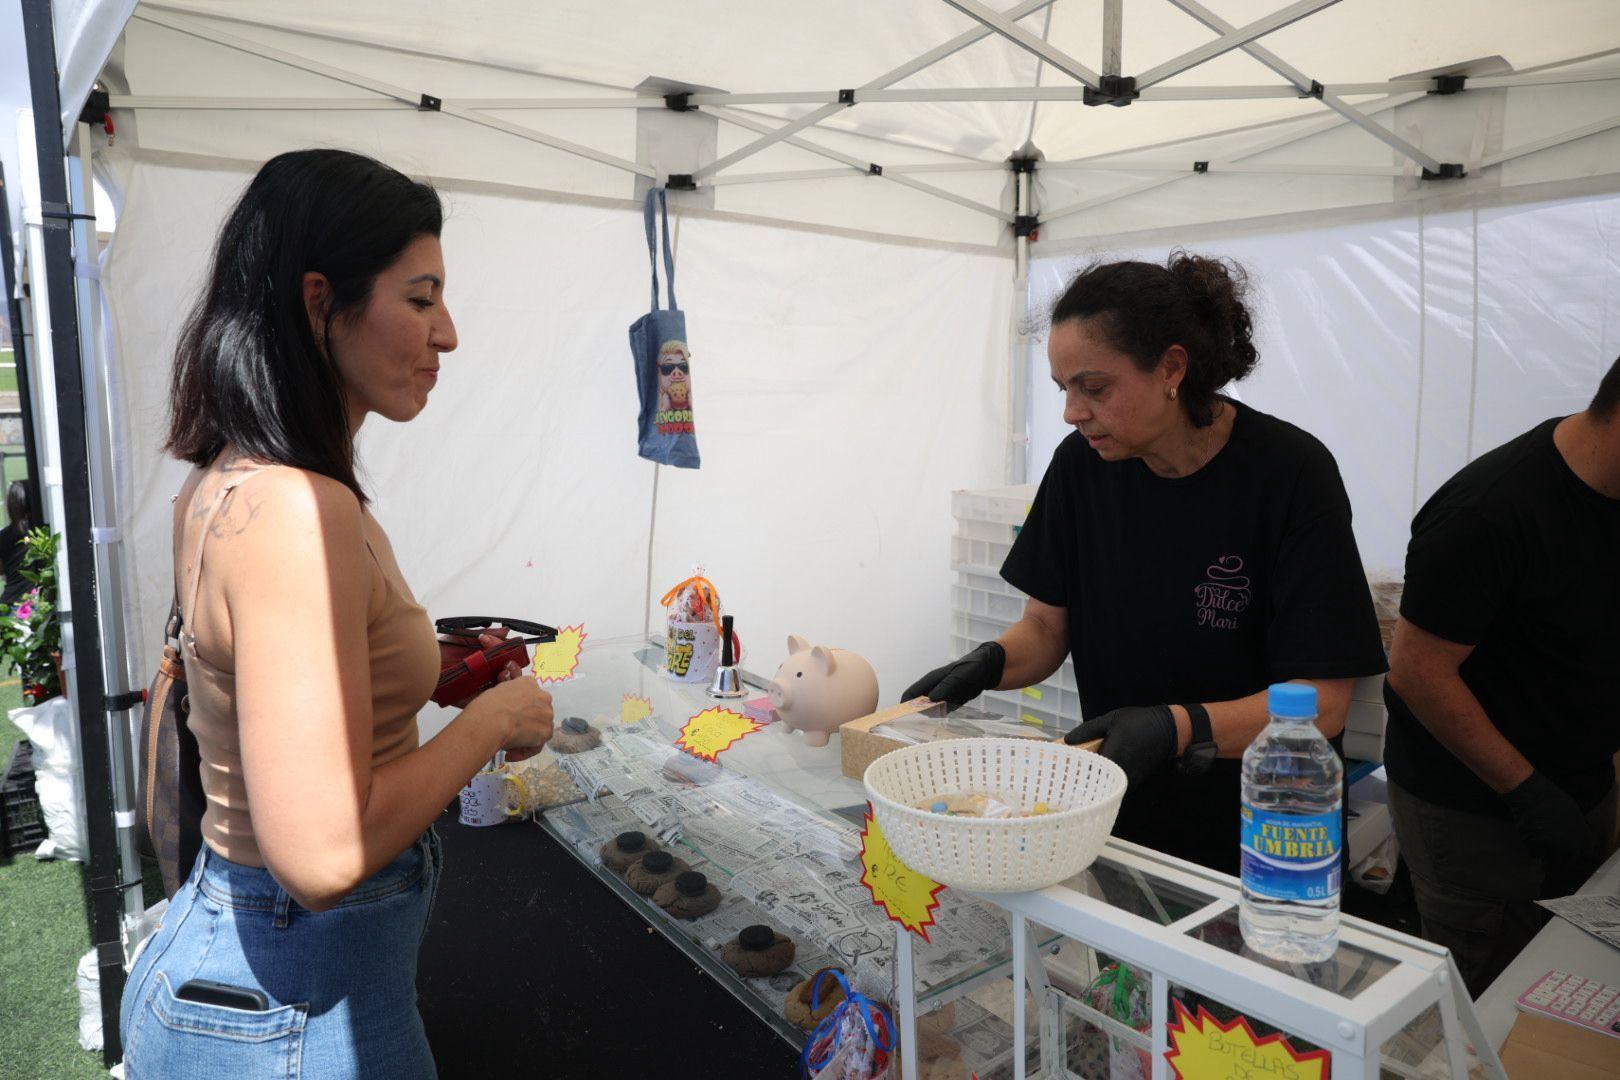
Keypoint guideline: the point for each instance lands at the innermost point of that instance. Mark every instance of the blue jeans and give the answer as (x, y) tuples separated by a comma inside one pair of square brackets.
[(341, 983)]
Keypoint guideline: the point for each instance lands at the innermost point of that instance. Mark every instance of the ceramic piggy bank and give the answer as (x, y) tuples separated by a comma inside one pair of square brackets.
[(816, 689)]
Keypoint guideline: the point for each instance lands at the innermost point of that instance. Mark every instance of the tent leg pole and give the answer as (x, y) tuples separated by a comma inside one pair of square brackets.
[(105, 882), (1017, 469)]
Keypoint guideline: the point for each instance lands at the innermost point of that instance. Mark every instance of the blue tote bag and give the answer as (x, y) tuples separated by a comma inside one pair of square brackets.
[(663, 362)]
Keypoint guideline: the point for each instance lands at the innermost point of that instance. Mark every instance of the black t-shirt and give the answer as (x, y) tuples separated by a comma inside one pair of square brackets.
[(12, 553), (1518, 557), (1200, 588)]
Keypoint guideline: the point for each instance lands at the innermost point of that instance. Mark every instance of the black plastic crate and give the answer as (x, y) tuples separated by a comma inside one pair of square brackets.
[(22, 827)]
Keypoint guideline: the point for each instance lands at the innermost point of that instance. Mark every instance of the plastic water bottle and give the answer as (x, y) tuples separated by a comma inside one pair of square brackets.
[(1292, 833)]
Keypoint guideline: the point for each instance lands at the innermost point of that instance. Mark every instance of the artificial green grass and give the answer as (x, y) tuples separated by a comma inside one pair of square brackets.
[(8, 371), (43, 932)]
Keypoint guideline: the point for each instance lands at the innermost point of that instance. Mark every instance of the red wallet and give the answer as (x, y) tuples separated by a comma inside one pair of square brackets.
[(467, 668)]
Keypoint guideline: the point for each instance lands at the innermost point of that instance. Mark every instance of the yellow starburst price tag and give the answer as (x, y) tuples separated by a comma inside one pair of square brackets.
[(713, 730), (634, 708), (556, 661), (907, 897), (1203, 1048)]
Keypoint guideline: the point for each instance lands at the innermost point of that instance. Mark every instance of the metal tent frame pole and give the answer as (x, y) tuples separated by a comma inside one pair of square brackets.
[(933, 56), (419, 100), (106, 536), (83, 630), (1298, 86)]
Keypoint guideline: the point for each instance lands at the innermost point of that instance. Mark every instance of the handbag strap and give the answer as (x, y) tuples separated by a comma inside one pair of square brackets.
[(473, 625), (652, 244)]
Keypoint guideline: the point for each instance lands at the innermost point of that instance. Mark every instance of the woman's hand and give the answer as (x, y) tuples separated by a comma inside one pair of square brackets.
[(521, 711)]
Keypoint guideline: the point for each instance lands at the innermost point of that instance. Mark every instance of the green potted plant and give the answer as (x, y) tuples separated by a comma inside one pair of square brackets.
[(30, 636)]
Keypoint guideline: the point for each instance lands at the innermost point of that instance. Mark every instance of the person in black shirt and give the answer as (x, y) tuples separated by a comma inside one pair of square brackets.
[(1504, 685), (12, 548), (1187, 550)]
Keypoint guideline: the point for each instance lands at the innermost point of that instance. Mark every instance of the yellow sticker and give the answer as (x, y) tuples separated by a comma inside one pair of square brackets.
[(1031, 718), (713, 730), (1206, 1049), (1033, 692), (907, 897), (634, 708), (556, 661)]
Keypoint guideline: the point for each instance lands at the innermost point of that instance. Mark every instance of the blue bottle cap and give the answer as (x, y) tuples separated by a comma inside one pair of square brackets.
[(1293, 700), (939, 808)]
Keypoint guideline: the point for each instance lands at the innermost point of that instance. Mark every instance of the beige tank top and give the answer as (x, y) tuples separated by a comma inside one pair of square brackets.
[(404, 665)]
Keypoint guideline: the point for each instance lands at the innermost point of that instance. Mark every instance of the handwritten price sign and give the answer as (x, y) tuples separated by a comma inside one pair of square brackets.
[(634, 708), (1203, 1048), (556, 661), (907, 897), (713, 730)]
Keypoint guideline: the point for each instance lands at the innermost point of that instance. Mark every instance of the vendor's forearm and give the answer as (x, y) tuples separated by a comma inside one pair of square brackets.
[(1035, 649), (1235, 723), (1445, 705), (1425, 669)]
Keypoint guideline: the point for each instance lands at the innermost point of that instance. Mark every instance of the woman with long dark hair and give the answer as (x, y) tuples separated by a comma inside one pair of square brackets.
[(12, 549), (291, 948), (1186, 549)]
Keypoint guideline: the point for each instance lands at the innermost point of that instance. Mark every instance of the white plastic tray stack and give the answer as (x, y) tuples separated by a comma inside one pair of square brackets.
[(983, 606), (1364, 727)]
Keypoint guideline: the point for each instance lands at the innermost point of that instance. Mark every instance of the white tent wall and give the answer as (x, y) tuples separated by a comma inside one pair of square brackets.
[(1409, 346), (843, 388), (846, 388)]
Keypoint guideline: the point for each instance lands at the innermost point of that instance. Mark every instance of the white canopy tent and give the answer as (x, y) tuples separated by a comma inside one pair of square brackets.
[(831, 306), (853, 244)]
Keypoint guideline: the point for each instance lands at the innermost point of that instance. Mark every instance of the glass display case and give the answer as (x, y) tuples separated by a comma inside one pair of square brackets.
[(1151, 949), (775, 825)]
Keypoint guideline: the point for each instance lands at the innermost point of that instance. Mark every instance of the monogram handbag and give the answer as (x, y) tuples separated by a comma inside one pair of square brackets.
[(170, 808)]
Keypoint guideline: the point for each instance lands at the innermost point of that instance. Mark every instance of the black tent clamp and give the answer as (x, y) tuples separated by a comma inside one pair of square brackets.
[(1449, 84), (1026, 225), (681, 102), (1118, 90), (429, 103), (680, 182), (1451, 170)]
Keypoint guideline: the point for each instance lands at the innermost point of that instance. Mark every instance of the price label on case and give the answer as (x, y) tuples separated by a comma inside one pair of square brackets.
[(634, 708), (907, 897), (1203, 1048), (713, 730), (556, 661)]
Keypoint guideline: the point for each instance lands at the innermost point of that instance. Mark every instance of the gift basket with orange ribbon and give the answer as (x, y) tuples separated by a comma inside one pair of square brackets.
[(692, 645)]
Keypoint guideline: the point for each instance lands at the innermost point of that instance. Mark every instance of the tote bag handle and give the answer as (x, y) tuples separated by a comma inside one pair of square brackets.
[(652, 245)]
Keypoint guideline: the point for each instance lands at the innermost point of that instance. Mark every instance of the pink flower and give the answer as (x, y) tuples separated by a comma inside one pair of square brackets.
[(24, 610)]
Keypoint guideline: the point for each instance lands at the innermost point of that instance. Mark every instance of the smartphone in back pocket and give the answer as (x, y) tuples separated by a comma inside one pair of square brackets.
[(208, 992)]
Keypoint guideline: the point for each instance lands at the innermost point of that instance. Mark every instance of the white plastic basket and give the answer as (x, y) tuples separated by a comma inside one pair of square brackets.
[(996, 854)]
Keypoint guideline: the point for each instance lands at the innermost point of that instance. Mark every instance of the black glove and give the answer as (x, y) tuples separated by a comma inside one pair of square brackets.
[(960, 681), (1140, 738), (1551, 823)]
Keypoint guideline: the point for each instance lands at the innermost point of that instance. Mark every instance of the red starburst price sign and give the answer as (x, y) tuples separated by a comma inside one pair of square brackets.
[(556, 661), (713, 730), (907, 897), (1203, 1048)]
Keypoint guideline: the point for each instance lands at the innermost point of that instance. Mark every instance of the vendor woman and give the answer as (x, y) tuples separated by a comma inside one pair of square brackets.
[(1186, 549)]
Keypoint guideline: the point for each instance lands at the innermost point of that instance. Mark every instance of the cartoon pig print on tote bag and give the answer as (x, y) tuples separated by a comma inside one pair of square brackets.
[(817, 689)]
